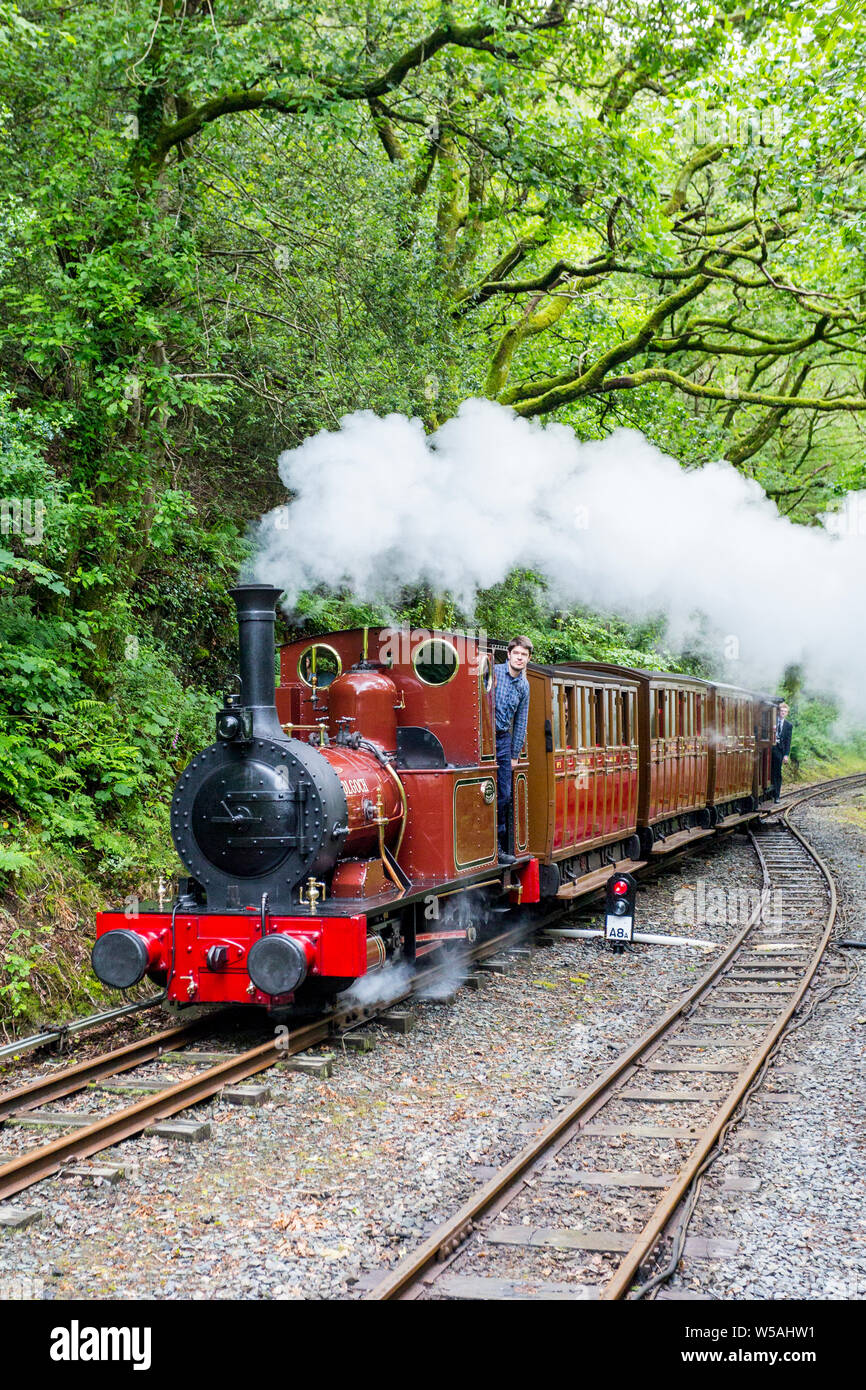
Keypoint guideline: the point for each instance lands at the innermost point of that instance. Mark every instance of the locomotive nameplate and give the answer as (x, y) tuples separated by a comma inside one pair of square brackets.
[(355, 786)]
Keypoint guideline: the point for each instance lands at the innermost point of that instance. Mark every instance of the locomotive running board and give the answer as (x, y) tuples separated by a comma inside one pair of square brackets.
[(730, 821), (576, 888), (682, 837)]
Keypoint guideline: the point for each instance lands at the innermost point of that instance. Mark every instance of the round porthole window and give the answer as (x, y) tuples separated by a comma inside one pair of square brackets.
[(319, 664), (436, 662)]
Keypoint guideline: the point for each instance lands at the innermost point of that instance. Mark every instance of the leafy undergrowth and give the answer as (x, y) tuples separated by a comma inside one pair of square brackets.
[(47, 929), (845, 764)]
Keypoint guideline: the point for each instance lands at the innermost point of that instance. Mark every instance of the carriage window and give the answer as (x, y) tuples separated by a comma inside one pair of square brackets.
[(599, 718), (579, 720), (557, 722), (568, 721)]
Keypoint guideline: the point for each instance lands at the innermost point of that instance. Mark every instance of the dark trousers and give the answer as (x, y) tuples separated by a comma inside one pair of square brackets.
[(503, 792), (776, 779)]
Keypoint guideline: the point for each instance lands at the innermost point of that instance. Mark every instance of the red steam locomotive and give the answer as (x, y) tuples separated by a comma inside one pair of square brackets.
[(348, 818)]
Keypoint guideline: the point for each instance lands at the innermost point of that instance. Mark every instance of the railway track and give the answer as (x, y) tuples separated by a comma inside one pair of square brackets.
[(594, 1193), (86, 1134), (60, 1036)]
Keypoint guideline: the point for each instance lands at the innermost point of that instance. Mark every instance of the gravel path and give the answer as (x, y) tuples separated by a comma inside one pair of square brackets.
[(334, 1178), (802, 1234)]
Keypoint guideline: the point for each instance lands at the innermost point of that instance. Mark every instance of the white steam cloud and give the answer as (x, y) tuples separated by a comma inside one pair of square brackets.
[(380, 986), (616, 525)]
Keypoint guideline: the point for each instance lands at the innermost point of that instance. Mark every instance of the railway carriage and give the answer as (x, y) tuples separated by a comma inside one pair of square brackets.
[(582, 743), (674, 743)]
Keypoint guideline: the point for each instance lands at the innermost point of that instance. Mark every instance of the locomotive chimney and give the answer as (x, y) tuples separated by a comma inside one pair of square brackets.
[(255, 605)]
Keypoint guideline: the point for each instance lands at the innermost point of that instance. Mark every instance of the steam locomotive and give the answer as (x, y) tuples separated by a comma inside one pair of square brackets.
[(347, 818)]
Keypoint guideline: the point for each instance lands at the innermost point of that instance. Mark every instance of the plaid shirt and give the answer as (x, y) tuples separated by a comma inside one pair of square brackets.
[(511, 702)]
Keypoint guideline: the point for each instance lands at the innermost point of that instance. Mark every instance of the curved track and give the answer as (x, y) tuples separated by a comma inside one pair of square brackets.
[(692, 1070)]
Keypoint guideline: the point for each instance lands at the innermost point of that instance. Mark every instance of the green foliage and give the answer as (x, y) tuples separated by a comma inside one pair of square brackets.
[(519, 606), (821, 744), (224, 227)]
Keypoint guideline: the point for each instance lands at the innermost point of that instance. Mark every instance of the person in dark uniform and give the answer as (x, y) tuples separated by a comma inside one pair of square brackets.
[(511, 709), (781, 747)]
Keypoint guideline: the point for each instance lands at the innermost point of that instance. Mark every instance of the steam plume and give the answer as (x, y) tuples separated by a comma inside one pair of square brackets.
[(614, 524)]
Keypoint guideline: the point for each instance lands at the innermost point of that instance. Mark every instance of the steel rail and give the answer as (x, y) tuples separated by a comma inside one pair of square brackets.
[(405, 1279), (43, 1162), (795, 796), (75, 1078), (410, 1270), (619, 1285), (78, 1025), (29, 1168)]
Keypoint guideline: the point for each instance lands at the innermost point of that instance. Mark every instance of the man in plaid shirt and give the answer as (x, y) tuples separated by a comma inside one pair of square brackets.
[(511, 710)]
